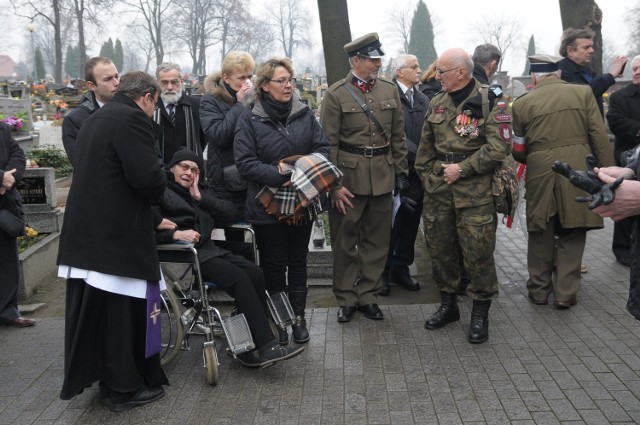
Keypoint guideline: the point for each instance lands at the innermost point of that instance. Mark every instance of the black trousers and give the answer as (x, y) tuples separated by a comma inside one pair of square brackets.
[(9, 278), (283, 252), (105, 338), (244, 281), (622, 232)]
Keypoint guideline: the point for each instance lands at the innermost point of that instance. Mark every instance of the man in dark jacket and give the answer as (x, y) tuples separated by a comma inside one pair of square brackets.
[(12, 165), (177, 113), (486, 59), (576, 46), (623, 117), (102, 79), (407, 218), (108, 253)]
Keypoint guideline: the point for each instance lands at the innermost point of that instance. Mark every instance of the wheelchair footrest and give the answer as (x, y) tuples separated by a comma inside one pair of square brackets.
[(280, 308), (238, 334)]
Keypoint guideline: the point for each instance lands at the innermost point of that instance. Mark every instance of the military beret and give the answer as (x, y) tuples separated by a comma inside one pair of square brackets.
[(544, 63), (367, 46)]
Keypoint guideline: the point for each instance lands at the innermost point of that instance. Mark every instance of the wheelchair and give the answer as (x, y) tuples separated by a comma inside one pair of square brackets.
[(187, 309)]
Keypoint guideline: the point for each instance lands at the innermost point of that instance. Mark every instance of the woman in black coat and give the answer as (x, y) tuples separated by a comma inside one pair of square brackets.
[(12, 165), (196, 213), (278, 126)]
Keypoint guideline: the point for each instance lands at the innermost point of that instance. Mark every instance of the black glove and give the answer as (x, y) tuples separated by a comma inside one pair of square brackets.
[(605, 195), (402, 184), (585, 180), (408, 204)]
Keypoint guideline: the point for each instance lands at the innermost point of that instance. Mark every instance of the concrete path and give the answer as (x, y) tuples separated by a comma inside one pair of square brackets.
[(540, 366)]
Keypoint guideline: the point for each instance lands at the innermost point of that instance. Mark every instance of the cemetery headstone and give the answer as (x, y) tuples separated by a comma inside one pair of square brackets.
[(39, 203), (9, 106)]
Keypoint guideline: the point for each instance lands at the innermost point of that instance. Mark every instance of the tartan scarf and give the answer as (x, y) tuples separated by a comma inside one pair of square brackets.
[(311, 175)]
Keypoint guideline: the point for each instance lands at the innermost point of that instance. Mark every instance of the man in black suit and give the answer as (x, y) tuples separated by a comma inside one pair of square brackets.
[(178, 114)]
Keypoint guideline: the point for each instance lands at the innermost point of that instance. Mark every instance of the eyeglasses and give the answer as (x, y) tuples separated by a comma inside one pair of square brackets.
[(172, 82), (444, 71), (414, 67), (284, 82), (194, 169)]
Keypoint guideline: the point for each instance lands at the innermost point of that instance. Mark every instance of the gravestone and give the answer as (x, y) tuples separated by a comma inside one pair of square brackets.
[(17, 92), (9, 106), (67, 91), (39, 203)]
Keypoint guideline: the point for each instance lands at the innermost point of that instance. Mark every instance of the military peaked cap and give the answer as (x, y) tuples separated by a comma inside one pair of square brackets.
[(367, 46), (544, 63)]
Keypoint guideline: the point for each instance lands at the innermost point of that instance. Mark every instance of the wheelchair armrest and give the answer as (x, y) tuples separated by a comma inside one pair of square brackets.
[(177, 246)]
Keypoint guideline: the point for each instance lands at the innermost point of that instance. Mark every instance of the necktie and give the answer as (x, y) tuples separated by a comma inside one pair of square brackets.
[(172, 113), (410, 96)]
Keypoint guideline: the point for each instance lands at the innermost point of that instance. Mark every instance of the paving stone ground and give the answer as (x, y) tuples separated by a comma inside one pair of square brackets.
[(540, 366)]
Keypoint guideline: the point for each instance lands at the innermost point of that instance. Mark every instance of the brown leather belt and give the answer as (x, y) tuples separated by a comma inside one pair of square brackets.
[(454, 157), (367, 151)]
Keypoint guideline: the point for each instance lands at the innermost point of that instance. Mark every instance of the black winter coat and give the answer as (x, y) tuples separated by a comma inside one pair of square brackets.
[(260, 144), (74, 120), (574, 73), (108, 225), (623, 117), (11, 156), (173, 137), (413, 120), (219, 113), (188, 214)]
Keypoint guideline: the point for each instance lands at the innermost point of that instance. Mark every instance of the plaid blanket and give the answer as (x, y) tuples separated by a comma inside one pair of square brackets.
[(311, 175)]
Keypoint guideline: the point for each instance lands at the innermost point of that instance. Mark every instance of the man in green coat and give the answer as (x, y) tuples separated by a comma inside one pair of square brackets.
[(556, 121), (458, 153)]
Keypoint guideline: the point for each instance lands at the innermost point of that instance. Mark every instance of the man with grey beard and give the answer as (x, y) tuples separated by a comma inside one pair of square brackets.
[(177, 114)]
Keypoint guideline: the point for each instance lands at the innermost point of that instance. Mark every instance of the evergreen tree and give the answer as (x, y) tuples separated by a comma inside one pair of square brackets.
[(118, 57), (531, 50), (72, 65), (421, 38), (107, 50), (41, 71)]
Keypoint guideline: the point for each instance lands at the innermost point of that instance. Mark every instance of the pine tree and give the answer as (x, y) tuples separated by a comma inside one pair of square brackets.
[(118, 58), (421, 38), (107, 50), (41, 71), (531, 50), (72, 65)]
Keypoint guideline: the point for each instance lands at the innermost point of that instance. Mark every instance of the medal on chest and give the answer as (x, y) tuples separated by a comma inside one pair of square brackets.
[(466, 126)]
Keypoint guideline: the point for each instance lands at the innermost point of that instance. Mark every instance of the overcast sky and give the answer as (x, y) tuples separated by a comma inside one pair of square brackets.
[(457, 27)]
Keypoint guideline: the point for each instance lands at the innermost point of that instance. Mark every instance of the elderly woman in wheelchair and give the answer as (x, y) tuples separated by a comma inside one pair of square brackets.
[(195, 213)]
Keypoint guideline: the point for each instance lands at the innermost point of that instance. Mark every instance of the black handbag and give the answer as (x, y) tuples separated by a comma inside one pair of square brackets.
[(232, 179), (11, 225)]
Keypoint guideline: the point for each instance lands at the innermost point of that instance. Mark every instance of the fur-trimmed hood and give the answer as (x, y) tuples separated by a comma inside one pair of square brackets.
[(214, 85)]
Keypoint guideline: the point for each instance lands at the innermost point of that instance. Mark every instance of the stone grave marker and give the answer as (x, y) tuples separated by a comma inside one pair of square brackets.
[(67, 92), (9, 106), (39, 203)]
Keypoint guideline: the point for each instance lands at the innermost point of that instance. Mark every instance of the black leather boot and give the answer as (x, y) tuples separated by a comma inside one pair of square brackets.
[(479, 326), (299, 330), (446, 313)]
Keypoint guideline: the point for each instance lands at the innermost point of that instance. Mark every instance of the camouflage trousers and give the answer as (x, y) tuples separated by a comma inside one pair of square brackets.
[(474, 228)]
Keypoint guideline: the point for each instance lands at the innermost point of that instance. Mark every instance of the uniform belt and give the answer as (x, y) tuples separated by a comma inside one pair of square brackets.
[(454, 157), (367, 151)]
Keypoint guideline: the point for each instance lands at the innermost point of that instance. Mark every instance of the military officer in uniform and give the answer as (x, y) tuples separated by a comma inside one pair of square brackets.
[(373, 161), (458, 152), (556, 121)]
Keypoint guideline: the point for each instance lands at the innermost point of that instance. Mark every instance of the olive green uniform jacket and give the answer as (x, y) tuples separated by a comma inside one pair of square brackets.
[(344, 120), (559, 121)]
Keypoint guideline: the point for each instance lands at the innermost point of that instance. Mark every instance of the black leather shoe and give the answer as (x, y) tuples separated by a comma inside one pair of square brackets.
[(345, 313), (479, 326), (386, 288), (119, 402), (447, 312), (406, 282), (371, 311)]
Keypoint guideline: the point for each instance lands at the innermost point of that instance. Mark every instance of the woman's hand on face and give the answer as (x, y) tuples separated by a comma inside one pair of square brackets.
[(241, 95), (190, 236), (194, 190)]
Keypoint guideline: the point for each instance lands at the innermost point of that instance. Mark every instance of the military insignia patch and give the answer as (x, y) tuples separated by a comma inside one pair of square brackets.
[(503, 118), (505, 132), (501, 104), (439, 110)]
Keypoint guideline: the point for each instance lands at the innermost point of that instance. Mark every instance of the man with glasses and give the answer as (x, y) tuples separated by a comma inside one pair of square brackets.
[(102, 80), (458, 153), (108, 253), (407, 219), (363, 120), (177, 113)]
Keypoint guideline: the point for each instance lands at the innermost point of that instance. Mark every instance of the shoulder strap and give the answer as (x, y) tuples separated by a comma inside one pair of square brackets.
[(485, 101), (366, 109)]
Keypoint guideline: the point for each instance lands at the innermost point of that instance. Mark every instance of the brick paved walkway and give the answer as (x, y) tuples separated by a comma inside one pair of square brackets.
[(540, 366)]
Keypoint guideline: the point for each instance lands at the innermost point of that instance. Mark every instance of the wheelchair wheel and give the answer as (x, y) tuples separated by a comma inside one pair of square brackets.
[(172, 333), (211, 363)]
